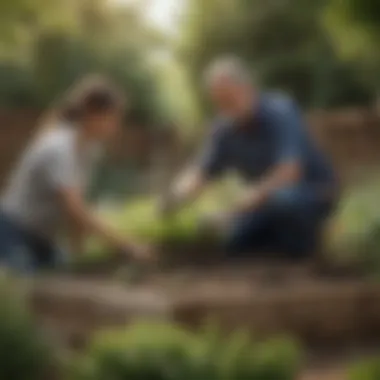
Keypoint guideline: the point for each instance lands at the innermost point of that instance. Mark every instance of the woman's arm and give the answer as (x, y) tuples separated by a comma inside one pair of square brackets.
[(61, 172), (86, 221)]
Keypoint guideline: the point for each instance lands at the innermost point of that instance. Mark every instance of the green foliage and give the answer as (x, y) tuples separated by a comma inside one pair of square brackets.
[(53, 42), (139, 219), (56, 42), (364, 12), (147, 226), (165, 352), (285, 43), (354, 26), (24, 355), (355, 237), (17, 86), (366, 370), (173, 79)]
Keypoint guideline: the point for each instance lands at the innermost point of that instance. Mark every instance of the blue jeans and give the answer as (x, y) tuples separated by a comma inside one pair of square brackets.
[(288, 223), (23, 251)]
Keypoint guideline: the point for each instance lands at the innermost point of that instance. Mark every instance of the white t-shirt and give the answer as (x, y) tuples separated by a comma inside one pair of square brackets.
[(51, 162)]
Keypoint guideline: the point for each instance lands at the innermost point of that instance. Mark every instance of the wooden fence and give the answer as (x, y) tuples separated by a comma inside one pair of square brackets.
[(350, 136)]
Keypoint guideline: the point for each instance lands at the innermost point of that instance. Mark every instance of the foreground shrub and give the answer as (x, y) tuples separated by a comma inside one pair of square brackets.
[(24, 355), (355, 235), (166, 352), (366, 370)]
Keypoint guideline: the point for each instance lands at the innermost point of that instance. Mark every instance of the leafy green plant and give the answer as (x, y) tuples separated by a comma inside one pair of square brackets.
[(166, 352), (139, 219), (355, 237), (24, 354), (366, 370)]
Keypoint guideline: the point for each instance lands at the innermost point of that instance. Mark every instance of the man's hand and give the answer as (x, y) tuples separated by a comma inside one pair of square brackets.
[(249, 201), (283, 175), (186, 189)]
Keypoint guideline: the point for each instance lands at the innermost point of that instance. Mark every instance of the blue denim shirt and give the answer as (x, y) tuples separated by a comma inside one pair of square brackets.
[(276, 133)]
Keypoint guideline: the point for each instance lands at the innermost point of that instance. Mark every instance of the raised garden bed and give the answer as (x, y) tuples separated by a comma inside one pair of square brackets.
[(266, 301)]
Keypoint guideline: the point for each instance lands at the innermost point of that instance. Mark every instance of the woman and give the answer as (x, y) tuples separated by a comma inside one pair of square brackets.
[(45, 195)]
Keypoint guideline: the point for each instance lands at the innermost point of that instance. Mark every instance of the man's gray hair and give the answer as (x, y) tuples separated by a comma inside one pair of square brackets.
[(229, 67)]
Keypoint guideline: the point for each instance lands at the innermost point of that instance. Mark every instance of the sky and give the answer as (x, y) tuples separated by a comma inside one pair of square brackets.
[(163, 13)]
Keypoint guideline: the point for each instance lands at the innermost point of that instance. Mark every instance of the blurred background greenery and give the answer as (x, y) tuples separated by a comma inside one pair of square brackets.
[(322, 51)]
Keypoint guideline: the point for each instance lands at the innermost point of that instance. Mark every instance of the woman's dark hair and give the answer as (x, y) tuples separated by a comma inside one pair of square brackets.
[(92, 95)]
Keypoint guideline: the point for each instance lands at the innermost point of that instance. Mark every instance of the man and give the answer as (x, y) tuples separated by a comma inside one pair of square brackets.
[(262, 136)]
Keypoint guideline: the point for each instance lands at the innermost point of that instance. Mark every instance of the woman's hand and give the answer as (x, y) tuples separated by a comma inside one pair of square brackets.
[(140, 252)]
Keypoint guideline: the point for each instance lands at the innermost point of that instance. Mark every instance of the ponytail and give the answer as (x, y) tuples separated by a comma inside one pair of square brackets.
[(93, 93)]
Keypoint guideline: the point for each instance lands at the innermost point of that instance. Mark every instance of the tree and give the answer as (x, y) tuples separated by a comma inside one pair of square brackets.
[(354, 26), (284, 41), (65, 39)]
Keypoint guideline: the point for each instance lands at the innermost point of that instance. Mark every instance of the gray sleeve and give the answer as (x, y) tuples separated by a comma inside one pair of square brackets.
[(59, 168)]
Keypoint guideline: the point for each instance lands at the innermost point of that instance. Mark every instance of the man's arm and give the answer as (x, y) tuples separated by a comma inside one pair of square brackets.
[(287, 169), (186, 188), (190, 184)]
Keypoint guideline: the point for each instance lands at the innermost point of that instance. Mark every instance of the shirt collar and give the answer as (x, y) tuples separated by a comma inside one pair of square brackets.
[(252, 123)]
